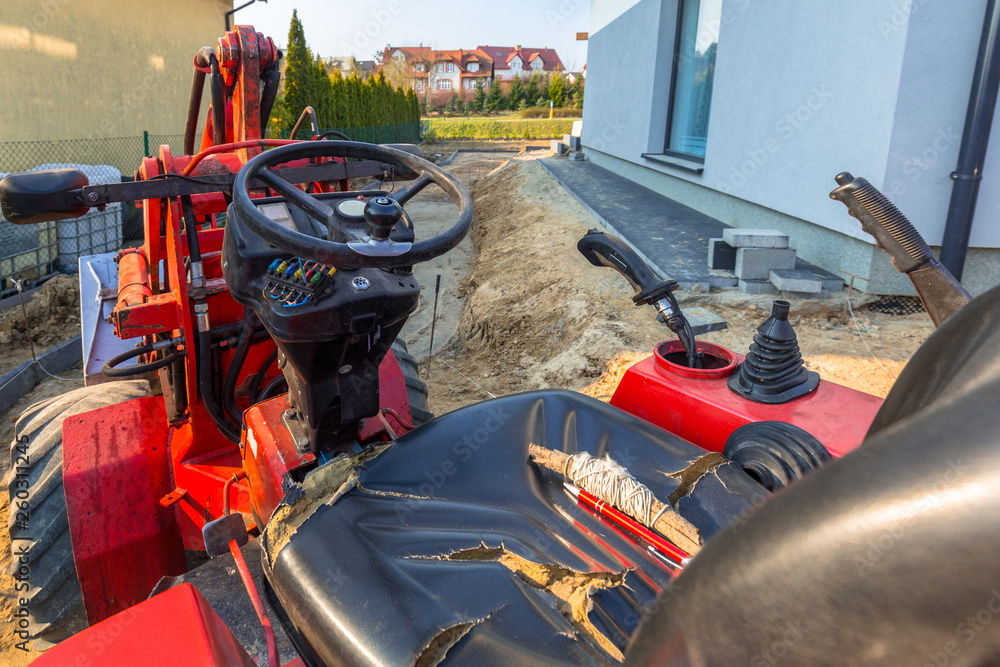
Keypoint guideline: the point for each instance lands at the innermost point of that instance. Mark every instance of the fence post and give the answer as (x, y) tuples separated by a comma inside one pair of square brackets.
[(145, 142)]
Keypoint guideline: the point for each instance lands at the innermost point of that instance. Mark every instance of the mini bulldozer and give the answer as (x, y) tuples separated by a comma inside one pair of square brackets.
[(260, 480)]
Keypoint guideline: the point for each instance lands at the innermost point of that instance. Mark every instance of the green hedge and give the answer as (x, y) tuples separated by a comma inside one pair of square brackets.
[(493, 128)]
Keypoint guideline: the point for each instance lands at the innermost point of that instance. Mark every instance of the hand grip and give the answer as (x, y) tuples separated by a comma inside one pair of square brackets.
[(43, 196), (893, 233), (602, 249)]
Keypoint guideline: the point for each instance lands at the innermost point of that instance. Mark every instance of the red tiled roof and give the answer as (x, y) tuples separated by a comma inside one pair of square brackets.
[(460, 57), (550, 59)]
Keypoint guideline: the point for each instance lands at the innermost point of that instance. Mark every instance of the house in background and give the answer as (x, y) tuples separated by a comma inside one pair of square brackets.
[(432, 72), (348, 65), (511, 61), (746, 111)]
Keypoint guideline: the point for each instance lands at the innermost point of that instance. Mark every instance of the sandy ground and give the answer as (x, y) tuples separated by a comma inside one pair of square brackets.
[(537, 315), (53, 314), (520, 309)]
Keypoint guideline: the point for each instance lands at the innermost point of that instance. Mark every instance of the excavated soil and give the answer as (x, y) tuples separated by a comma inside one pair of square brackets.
[(53, 315), (537, 315)]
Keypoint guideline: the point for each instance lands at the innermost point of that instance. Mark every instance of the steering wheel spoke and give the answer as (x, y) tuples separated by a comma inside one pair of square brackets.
[(311, 206), (415, 186)]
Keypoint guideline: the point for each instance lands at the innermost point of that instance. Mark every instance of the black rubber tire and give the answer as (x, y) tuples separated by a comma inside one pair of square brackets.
[(55, 603), (416, 389)]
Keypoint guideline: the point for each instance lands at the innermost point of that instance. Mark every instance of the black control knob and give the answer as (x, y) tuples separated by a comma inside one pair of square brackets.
[(382, 214)]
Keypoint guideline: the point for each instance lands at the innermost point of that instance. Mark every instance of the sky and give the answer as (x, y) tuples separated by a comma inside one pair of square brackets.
[(363, 27)]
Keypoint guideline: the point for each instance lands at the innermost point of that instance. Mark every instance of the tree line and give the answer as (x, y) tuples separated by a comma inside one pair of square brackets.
[(517, 95), (339, 102)]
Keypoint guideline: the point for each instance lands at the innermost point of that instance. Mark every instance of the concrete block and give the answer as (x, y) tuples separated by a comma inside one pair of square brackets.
[(558, 147), (830, 283), (577, 130), (791, 280), (721, 255), (723, 279), (757, 287), (576, 156), (757, 263), (755, 238), (572, 142), (703, 320)]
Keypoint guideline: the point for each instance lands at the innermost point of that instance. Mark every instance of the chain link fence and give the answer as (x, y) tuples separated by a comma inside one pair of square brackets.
[(32, 253)]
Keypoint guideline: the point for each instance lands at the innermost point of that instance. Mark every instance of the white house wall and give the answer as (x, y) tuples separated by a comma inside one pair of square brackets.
[(802, 91)]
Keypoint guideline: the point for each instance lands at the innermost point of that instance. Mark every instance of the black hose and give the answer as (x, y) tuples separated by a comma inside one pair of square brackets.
[(236, 365), (191, 228), (334, 133), (271, 76), (179, 387), (221, 419), (272, 388), (218, 102), (109, 370), (194, 107), (261, 373)]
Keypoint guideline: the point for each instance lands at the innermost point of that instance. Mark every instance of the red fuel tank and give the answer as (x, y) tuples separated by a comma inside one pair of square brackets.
[(698, 405)]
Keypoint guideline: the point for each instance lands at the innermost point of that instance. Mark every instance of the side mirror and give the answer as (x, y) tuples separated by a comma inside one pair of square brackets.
[(43, 196)]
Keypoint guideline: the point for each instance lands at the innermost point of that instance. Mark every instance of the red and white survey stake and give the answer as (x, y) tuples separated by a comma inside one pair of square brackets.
[(673, 554)]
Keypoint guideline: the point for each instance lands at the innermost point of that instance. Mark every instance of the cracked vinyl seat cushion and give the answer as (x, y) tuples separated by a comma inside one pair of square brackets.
[(452, 545)]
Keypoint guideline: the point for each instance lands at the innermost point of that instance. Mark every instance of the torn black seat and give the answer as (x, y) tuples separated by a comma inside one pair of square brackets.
[(452, 544)]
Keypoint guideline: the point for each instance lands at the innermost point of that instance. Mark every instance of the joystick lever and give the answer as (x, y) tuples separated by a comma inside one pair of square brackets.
[(382, 214), (602, 249)]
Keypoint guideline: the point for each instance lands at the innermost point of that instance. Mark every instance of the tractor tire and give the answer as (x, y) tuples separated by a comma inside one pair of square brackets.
[(416, 389), (55, 602)]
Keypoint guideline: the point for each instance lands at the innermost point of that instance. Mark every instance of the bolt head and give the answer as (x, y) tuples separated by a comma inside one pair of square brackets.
[(290, 414), (345, 369), (92, 196)]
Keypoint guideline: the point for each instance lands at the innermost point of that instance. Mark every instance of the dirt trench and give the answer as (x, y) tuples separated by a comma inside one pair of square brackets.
[(535, 314)]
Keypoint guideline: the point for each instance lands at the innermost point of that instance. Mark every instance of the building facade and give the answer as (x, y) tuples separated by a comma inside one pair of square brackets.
[(432, 72), (510, 62), (746, 112)]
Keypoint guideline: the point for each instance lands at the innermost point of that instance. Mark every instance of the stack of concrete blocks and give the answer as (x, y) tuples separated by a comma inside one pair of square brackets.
[(764, 264), (570, 144)]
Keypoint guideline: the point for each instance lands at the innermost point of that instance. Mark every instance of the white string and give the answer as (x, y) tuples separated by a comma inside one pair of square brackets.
[(611, 483), (485, 391), (857, 327)]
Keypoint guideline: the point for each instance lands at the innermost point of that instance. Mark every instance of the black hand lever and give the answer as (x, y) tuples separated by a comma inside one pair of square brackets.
[(602, 249), (43, 196), (940, 293)]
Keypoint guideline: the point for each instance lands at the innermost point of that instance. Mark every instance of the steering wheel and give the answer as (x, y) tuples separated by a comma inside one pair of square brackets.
[(377, 250)]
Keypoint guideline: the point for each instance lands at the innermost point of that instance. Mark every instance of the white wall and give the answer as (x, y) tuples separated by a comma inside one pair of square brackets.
[(802, 91)]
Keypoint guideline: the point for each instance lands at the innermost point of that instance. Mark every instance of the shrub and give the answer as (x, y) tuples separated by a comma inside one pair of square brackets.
[(543, 112)]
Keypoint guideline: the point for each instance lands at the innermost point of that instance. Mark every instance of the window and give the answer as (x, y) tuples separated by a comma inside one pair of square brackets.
[(440, 68), (694, 68), (419, 85), (444, 84), (450, 67), (419, 67), (473, 67)]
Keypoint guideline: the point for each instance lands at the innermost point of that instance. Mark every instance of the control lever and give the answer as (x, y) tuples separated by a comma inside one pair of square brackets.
[(941, 294), (602, 249), (43, 196)]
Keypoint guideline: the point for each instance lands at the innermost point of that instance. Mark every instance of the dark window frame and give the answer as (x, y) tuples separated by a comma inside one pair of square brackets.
[(673, 91)]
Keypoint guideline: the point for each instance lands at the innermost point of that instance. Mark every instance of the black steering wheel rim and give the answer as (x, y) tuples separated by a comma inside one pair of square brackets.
[(341, 254)]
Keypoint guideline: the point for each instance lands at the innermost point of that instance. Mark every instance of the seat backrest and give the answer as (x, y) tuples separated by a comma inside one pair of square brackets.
[(886, 556)]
